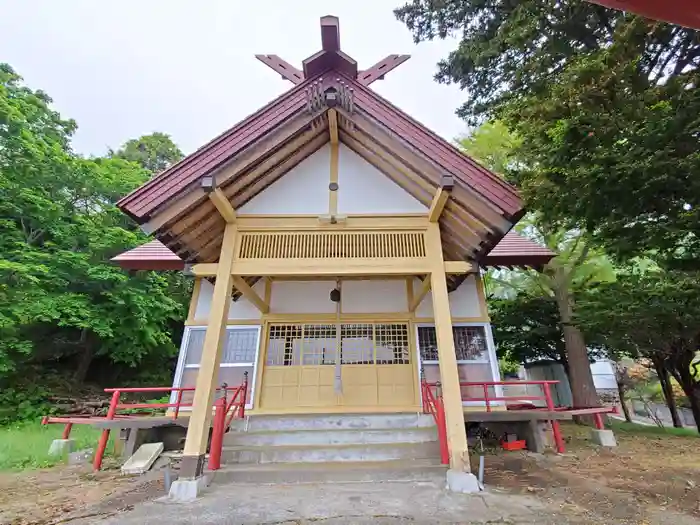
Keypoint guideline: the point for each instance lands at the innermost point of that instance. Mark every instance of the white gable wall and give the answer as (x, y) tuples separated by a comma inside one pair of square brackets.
[(363, 189), (302, 190)]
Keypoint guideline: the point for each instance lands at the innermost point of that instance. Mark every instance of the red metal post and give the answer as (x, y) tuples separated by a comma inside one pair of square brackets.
[(177, 404), (104, 437), (598, 420), (217, 434), (245, 394), (442, 431), (66, 431), (556, 429), (486, 397)]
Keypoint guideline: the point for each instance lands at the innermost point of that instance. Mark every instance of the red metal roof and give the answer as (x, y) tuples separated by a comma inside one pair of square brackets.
[(153, 255), (516, 250), (513, 250), (681, 12)]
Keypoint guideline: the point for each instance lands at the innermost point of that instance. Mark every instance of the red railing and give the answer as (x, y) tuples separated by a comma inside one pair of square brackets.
[(235, 408), (432, 404)]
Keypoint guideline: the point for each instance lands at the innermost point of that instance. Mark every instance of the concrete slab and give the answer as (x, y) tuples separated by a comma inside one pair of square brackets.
[(388, 503), (61, 447), (604, 438), (142, 459)]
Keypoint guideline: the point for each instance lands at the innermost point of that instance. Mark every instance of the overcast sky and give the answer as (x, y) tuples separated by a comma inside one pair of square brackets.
[(124, 68)]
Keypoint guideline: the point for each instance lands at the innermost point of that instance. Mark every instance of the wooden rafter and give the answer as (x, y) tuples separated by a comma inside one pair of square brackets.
[(458, 267), (284, 68), (381, 68), (250, 294), (438, 204)]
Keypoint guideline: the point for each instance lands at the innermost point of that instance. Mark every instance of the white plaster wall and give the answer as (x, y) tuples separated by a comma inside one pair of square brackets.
[(360, 297), (365, 189), (464, 301), (241, 309), (301, 297), (302, 190)]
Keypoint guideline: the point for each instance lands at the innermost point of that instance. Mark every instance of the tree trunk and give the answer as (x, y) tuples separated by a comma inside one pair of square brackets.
[(667, 389), (84, 364), (623, 402), (694, 400), (580, 377)]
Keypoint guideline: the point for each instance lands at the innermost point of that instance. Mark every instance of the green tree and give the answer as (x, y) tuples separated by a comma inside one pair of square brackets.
[(60, 297), (493, 145), (652, 314), (155, 152), (606, 104)]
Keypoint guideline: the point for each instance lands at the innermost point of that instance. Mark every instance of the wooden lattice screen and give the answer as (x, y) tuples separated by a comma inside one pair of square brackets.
[(331, 245)]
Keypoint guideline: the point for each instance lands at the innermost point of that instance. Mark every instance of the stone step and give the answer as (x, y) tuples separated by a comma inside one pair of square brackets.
[(334, 422), (336, 472), (330, 453), (331, 437)]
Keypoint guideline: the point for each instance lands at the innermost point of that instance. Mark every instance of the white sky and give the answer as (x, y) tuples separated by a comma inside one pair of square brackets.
[(126, 68)]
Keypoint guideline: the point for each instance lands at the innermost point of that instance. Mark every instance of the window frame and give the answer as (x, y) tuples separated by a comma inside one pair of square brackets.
[(182, 359), (492, 359)]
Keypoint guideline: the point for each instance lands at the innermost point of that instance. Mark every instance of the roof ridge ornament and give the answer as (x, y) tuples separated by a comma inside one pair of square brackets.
[(332, 57)]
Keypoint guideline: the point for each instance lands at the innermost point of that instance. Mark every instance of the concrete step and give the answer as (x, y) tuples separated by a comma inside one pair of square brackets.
[(330, 453), (331, 437), (337, 472), (334, 422)]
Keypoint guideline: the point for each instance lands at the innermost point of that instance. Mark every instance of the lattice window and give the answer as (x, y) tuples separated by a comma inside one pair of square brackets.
[(316, 344), (392, 343), (470, 343), (357, 344)]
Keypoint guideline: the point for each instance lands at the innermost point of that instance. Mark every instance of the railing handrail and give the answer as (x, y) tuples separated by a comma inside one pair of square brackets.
[(502, 383), (160, 389)]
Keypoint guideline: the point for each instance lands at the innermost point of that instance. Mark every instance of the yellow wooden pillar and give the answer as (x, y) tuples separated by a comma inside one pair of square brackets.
[(449, 377), (192, 465)]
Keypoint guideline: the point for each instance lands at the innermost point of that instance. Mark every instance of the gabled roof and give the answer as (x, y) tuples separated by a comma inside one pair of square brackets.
[(255, 153), (513, 250), (681, 12)]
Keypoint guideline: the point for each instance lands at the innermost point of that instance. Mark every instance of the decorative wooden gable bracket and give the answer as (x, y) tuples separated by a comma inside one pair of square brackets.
[(440, 198), (219, 199), (332, 57)]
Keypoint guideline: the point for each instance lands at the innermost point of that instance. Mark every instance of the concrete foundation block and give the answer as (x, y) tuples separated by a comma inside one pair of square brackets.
[(81, 457), (61, 447), (184, 490), (604, 438), (463, 482)]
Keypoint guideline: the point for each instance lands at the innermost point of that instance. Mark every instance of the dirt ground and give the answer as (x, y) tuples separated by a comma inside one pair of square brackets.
[(646, 480)]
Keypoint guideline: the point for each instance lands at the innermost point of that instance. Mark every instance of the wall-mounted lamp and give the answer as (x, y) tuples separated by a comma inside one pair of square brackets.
[(208, 183)]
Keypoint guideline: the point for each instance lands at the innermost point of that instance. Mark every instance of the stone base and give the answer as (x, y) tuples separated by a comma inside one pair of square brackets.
[(604, 438), (185, 490), (463, 482), (61, 447)]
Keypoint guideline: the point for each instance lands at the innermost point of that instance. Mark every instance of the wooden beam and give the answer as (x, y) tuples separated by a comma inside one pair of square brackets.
[(458, 267), (192, 465), (331, 267), (381, 68), (449, 377), (284, 68), (250, 294), (330, 33), (333, 183), (422, 292), (223, 205), (438, 205), (333, 125)]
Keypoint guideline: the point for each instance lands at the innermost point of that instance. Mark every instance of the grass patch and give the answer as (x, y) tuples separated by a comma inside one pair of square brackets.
[(648, 430), (26, 445)]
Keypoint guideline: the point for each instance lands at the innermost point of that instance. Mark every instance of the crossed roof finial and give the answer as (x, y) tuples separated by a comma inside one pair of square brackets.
[(331, 57)]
